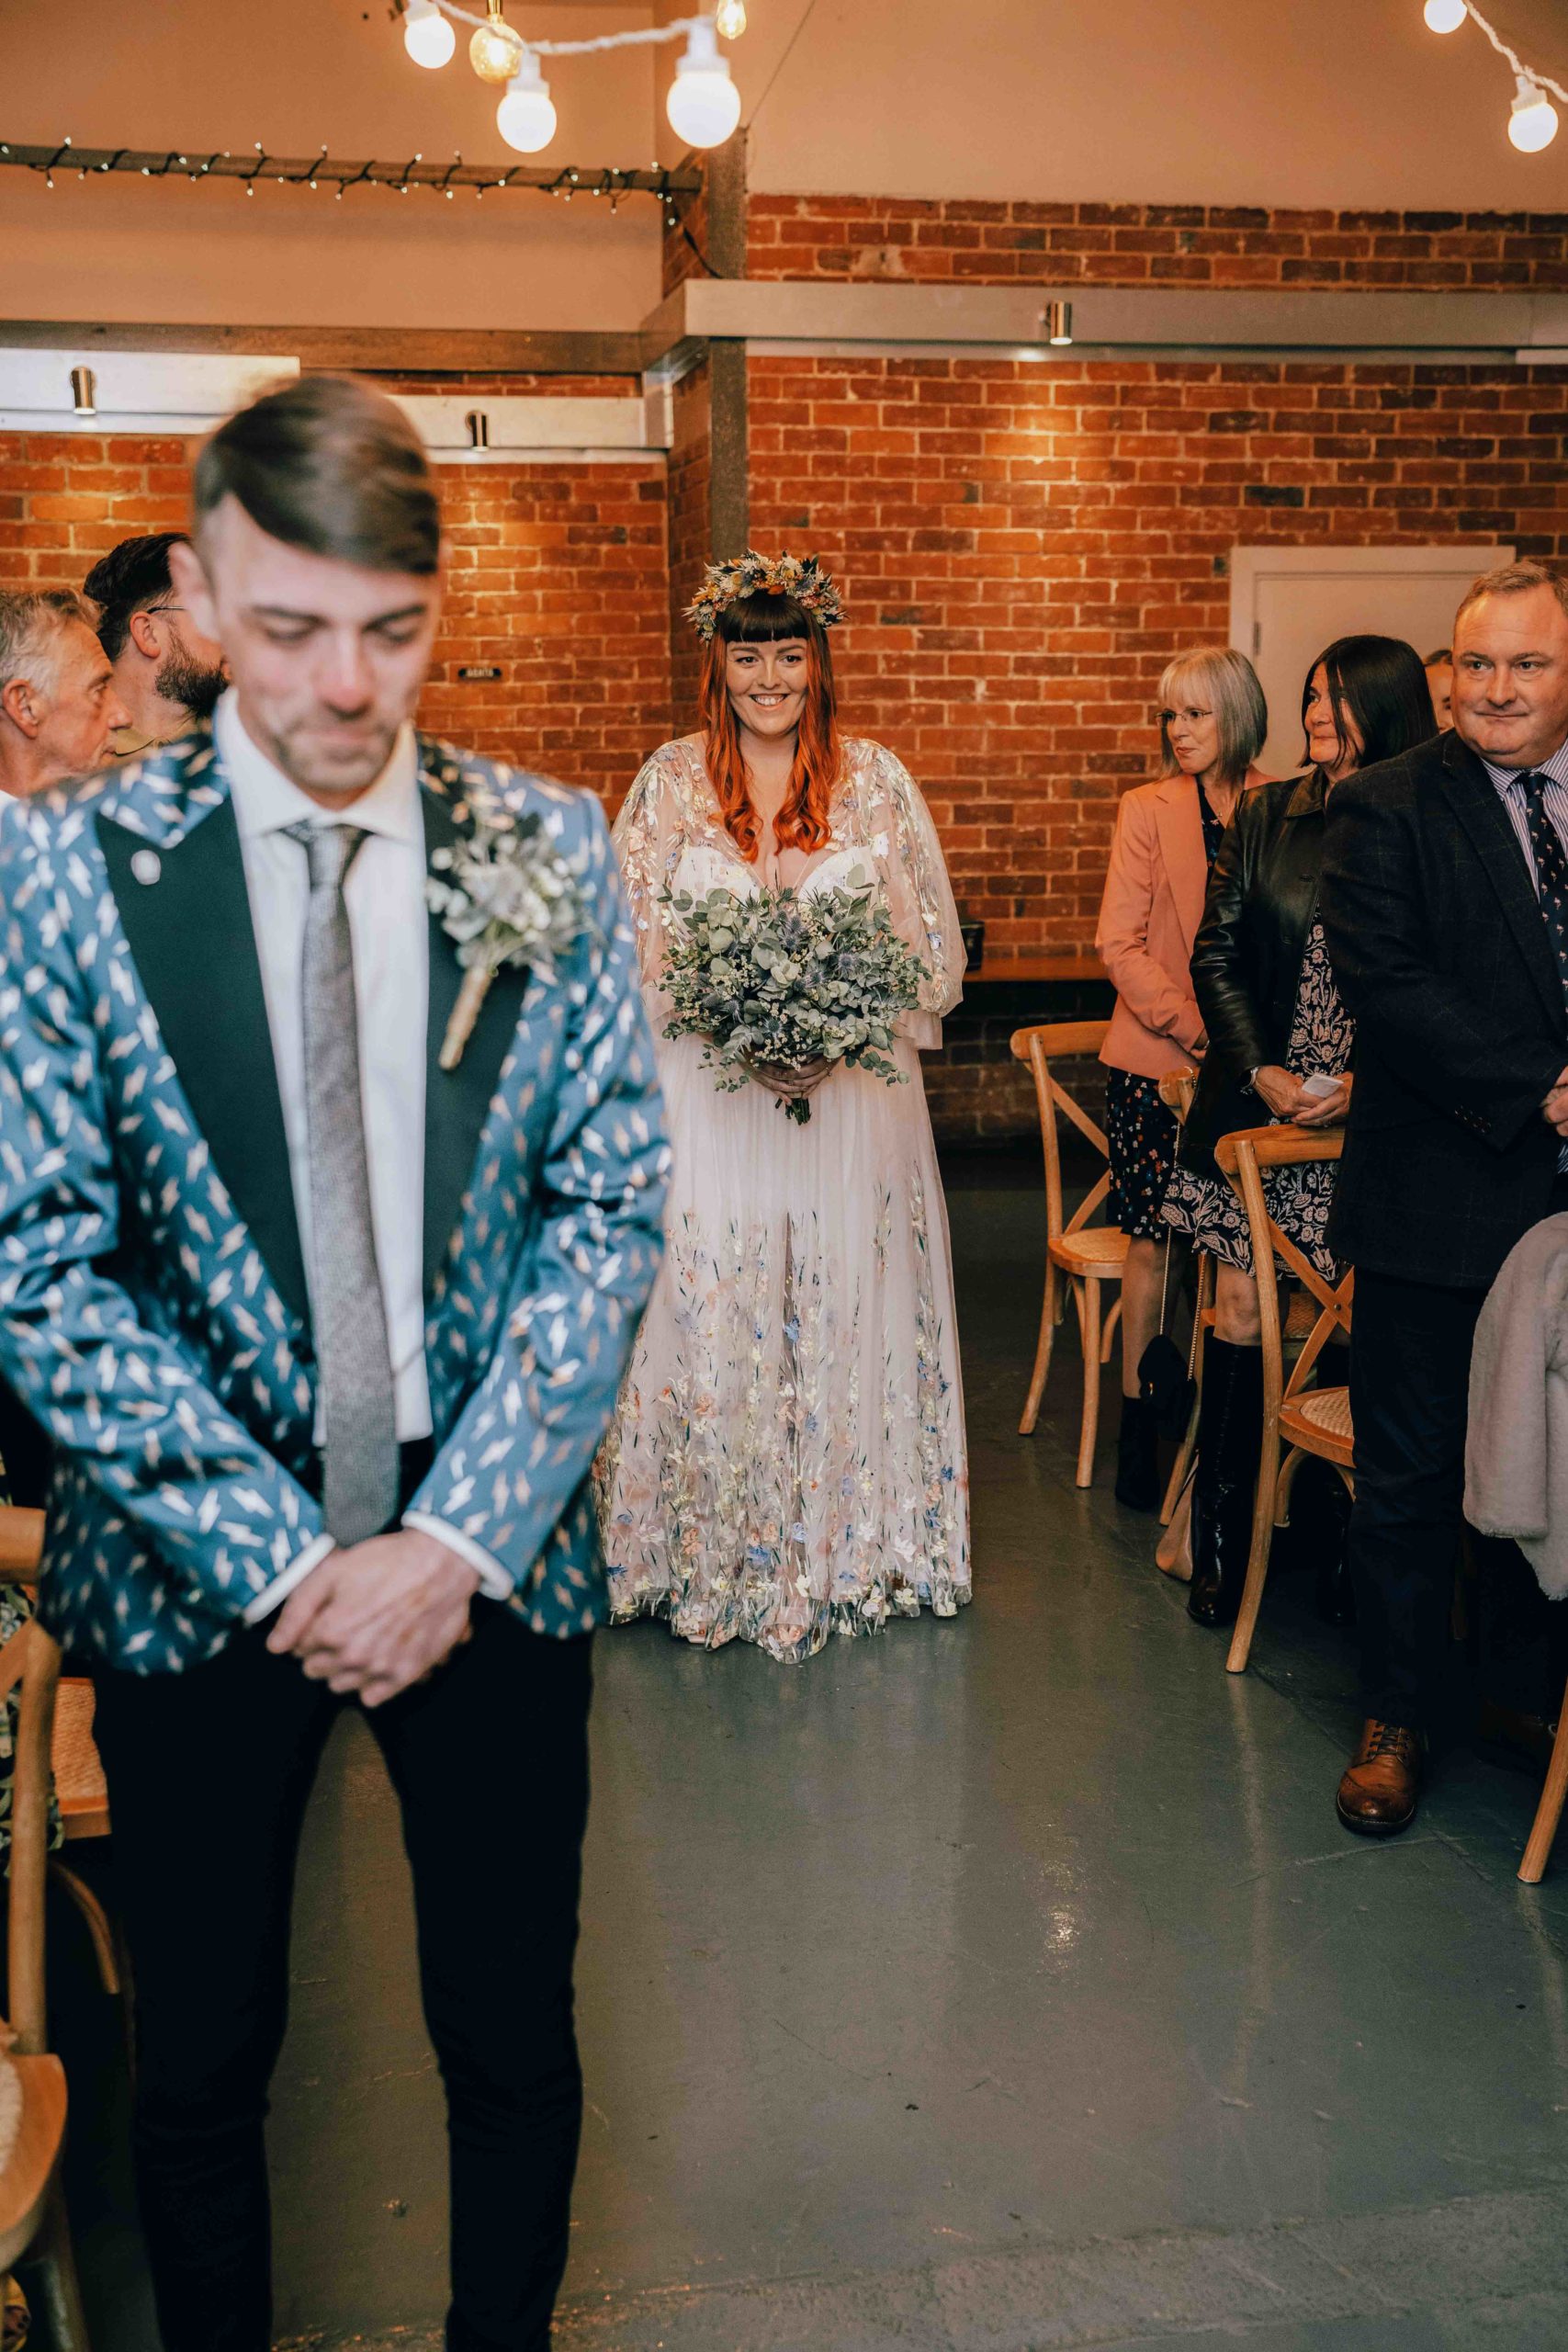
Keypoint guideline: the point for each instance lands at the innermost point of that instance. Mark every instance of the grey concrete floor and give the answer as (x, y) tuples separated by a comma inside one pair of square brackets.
[(993, 1985)]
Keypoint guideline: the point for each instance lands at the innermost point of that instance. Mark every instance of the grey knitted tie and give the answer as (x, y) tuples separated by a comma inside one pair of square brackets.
[(359, 1416)]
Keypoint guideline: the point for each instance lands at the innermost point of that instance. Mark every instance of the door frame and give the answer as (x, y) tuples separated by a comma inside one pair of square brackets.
[(1250, 564)]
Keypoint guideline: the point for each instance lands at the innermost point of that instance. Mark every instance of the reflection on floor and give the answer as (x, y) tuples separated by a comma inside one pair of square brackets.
[(994, 1986)]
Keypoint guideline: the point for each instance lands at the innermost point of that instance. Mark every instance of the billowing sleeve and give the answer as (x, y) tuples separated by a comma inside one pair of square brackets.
[(649, 835), (919, 895)]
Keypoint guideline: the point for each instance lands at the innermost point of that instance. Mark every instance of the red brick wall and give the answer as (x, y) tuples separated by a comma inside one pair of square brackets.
[(1137, 244), (1022, 547), (558, 576)]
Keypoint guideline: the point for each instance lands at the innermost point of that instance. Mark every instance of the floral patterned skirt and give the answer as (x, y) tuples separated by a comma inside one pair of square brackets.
[(788, 1458), (1142, 1135), (1205, 1208)]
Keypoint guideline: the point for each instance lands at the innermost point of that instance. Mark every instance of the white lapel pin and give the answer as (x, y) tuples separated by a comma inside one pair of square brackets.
[(146, 865)]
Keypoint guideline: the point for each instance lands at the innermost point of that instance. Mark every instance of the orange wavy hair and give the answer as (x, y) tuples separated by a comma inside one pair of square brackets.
[(803, 822)]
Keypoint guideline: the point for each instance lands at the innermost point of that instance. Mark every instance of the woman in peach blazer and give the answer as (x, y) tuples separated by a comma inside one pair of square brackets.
[(1212, 720)]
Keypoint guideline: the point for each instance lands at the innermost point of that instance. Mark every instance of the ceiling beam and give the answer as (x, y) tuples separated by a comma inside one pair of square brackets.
[(434, 351)]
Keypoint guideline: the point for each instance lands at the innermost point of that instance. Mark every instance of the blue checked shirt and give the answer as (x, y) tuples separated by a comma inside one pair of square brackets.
[(1510, 784)]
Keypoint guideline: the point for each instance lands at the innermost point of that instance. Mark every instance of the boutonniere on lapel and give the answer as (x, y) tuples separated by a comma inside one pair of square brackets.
[(505, 895)]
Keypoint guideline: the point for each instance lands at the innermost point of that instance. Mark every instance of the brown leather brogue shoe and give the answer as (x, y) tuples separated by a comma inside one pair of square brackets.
[(1377, 1796)]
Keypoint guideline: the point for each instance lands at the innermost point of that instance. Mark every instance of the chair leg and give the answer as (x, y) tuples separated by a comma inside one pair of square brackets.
[(1173, 1554), (98, 1920), (1050, 1315), (1113, 1325), (1183, 1465), (1549, 1813), (1257, 1560), (52, 2260), (1089, 1427), (1283, 1486)]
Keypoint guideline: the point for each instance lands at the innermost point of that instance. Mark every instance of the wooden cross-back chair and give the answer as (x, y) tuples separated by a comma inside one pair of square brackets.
[(34, 2230), (1299, 1416), (1080, 1257)]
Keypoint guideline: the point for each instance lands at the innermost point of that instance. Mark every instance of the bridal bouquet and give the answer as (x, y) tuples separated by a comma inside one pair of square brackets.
[(778, 978)]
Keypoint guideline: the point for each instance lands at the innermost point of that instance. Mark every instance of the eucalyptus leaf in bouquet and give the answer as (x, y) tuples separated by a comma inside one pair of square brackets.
[(774, 978)]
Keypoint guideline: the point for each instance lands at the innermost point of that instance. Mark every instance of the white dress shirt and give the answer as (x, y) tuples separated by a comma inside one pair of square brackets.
[(387, 922)]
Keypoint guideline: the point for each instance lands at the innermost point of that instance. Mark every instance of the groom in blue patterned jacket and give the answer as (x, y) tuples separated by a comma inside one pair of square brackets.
[(326, 1324)]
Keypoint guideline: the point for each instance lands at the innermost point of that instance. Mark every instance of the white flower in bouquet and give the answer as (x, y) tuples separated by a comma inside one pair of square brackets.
[(505, 897), (780, 979)]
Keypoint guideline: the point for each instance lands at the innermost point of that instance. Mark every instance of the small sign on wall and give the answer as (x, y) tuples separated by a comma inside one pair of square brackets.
[(478, 672)]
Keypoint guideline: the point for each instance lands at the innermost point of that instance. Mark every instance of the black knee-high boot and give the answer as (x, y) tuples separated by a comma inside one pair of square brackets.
[(1230, 1432)]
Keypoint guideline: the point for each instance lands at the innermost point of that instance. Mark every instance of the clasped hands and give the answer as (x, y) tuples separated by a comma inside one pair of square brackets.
[(789, 1084), (374, 1618), (1287, 1097)]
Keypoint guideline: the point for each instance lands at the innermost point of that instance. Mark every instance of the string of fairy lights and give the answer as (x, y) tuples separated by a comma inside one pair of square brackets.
[(1532, 121)]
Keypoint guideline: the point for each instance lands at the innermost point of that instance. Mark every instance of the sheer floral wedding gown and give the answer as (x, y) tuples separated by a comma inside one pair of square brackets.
[(788, 1458)]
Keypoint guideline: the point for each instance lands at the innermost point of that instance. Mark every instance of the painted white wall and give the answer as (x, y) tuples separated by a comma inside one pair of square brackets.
[(296, 73), (1341, 103)]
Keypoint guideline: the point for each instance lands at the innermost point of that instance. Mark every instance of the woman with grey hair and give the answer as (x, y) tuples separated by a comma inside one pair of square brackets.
[(1212, 720)]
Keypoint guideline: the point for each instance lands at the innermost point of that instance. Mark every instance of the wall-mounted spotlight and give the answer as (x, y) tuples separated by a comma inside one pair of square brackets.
[(1056, 319), (84, 391)]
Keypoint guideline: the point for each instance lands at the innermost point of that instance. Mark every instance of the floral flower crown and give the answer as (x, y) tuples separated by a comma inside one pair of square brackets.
[(800, 576)]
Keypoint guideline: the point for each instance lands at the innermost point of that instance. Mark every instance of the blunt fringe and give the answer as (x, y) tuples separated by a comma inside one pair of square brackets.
[(804, 821), (330, 464), (1380, 681), (1228, 682)]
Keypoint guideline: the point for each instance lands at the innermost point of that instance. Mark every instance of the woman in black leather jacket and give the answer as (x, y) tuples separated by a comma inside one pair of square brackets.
[(1277, 1046)]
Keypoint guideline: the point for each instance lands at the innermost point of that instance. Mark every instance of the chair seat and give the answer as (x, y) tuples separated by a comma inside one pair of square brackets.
[(1319, 1420), (1099, 1252), (79, 1781), (38, 2084)]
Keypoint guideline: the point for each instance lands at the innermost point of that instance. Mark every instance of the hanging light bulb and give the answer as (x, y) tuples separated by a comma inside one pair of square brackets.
[(704, 104), (1445, 16), (1533, 122), (525, 117), (729, 18), (427, 35), (495, 52)]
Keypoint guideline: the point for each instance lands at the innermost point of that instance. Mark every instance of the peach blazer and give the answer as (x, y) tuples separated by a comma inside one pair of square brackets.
[(1148, 921)]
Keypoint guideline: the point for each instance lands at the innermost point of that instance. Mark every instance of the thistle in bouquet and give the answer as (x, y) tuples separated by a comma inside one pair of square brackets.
[(777, 980), (505, 895)]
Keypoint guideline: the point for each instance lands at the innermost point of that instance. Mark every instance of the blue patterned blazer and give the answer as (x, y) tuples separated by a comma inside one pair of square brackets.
[(153, 1309)]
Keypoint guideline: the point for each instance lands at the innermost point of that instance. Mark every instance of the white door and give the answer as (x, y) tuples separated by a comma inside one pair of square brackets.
[(1287, 603)]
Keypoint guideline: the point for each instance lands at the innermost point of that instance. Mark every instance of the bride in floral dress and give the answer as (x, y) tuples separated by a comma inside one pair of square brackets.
[(788, 1458)]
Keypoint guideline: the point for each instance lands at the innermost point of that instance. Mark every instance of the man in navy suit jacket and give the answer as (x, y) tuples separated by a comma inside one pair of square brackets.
[(1445, 903)]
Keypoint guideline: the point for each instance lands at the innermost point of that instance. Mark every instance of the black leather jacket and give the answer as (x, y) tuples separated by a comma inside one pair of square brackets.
[(1247, 959)]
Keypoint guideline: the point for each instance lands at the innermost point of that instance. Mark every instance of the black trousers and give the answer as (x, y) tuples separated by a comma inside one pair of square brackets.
[(1409, 1404), (209, 1775)]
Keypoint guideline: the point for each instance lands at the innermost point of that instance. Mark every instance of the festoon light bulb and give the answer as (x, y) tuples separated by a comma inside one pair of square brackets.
[(704, 104), (1533, 122), (1445, 16), (495, 52), (729, 18), (527, 116), (427, 35)]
